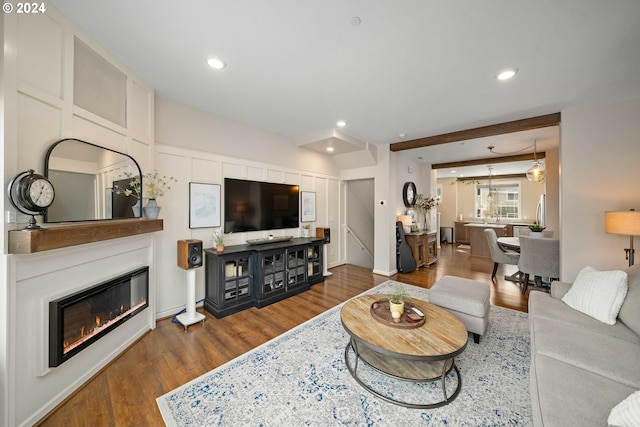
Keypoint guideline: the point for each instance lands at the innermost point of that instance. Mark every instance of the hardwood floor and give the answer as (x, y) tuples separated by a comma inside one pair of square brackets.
[(124, 393)]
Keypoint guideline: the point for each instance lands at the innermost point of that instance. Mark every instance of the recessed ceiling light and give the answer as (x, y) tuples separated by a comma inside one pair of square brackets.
[(341, 123), (453, 171), (507, 73), (402, 135), (216, 63), (330, 149)]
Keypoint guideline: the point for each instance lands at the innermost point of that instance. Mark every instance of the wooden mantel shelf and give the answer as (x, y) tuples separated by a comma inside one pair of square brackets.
[(56, 236)]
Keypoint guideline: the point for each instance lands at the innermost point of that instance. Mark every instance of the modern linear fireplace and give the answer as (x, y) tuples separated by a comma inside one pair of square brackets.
[(78, 320)]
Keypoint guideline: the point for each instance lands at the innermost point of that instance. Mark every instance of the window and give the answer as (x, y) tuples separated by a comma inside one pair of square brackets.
[(502, 200)]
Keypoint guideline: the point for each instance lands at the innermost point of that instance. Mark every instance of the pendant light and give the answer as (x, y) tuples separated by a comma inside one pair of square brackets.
[(491, 196), (536, 172)]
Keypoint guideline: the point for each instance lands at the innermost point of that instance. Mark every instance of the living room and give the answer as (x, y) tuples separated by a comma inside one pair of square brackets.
[(597, 156)]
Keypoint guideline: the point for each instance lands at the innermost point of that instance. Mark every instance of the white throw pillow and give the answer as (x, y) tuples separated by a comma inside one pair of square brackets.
[(627, 412), (598, 294)]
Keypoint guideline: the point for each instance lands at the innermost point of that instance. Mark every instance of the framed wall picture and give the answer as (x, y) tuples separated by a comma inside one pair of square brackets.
[(308, 206), (204, 205)]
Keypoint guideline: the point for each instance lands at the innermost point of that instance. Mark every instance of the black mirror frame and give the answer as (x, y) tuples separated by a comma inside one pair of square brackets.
[(46, 173)]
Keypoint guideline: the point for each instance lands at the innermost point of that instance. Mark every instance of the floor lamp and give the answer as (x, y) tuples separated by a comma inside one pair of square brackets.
[(624, 222)]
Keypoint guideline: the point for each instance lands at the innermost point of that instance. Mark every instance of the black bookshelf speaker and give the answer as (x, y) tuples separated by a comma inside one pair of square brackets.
[(324, 233), (189, 253)]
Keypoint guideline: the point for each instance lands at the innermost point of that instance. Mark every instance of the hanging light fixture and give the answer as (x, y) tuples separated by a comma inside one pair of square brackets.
[(490, 209), (536, 172)]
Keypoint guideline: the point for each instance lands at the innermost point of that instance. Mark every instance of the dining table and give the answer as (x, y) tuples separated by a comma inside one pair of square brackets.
[(512, 243)]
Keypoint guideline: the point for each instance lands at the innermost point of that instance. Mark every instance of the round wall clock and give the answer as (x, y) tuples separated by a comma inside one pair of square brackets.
[(31, 194), (409, 194)]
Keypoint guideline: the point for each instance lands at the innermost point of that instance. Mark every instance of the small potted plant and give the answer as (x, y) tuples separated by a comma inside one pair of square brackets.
[(218, 240), (396, 302), (305, 230), (536, 230)]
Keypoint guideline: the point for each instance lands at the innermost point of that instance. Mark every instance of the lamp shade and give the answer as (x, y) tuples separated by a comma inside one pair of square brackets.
[(406, 220), (623, 222)]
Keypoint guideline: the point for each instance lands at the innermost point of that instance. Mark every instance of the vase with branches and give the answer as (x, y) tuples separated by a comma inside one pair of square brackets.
[(132, 189), (155, 186), (425, 204)]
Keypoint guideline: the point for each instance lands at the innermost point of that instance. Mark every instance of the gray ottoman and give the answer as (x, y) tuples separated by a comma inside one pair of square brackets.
[(467, 299)]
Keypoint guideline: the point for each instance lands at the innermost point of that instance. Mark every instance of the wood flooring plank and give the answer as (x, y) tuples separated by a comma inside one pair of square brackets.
[(124, 393)]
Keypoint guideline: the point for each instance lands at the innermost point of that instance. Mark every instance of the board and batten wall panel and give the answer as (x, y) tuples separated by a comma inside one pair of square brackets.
[(188, 165), (275, 176), (141, 110), (40, 62), (38, 78), (96, 132), (39, 125), (170, 286), (187, 127)]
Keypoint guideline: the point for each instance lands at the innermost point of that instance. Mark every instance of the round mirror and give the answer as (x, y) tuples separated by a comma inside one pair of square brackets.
[(90, 181)]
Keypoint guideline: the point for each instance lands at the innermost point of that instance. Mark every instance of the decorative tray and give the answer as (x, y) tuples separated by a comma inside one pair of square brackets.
[(410, 318), (274, 239)]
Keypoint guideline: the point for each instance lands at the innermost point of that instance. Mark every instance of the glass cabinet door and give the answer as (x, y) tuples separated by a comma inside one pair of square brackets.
[(236, 278), (296, 267), (314, 262), (273, 272)]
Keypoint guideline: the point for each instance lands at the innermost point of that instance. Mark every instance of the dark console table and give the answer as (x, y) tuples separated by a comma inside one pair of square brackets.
[(244, 276)]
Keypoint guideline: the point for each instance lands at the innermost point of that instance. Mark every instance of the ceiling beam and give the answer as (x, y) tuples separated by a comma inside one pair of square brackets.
[(481, 132), (488, 161), (484, 177)]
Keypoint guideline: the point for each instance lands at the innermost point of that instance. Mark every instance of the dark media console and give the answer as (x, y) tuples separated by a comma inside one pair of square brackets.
[(244, 276)]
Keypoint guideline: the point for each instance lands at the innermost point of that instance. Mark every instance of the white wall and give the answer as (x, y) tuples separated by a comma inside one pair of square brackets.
[(552, 191), (182, 126), (385, 198), (39, 278), (193, 146), (599, 155), (38, 109), (409, 170)]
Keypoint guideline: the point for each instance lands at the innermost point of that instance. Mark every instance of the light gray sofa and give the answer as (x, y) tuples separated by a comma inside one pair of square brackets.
[(580, 367)]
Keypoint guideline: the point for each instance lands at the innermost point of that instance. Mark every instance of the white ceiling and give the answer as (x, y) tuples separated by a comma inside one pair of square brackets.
[(417, 67)]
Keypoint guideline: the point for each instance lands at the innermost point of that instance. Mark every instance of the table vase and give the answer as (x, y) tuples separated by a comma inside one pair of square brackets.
[(152, 210)]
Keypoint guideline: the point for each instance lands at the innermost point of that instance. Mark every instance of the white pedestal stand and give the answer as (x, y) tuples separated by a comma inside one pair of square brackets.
[(191, 316), (325, 271)]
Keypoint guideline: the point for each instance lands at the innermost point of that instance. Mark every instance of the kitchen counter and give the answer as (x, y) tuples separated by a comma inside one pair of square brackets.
[(483, 225), (478, 240)]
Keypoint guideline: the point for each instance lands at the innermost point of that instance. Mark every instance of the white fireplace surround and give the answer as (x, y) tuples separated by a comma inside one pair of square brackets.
[(34, 388)]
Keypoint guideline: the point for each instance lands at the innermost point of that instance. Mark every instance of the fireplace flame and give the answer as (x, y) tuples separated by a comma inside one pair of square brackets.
[(86, 335)]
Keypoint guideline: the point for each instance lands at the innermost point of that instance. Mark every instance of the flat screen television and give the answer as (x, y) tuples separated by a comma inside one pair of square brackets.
[(254, 205)]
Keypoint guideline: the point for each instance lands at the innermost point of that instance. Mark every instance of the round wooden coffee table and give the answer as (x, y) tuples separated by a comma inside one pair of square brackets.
[(420, 354)]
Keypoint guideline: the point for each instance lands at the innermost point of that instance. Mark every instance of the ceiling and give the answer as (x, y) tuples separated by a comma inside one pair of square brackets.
[(412, 67)]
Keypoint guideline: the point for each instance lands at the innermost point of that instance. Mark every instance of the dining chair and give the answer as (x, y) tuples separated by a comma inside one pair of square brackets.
[(524, 231), (539, 257), (520, 230), (499, 255)]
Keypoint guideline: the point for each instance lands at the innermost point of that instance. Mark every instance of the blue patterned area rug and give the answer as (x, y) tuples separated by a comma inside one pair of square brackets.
[(300, 379)]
